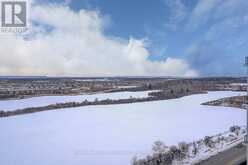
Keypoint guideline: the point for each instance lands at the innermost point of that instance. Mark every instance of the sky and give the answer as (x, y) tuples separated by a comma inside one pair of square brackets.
[(188, 38)]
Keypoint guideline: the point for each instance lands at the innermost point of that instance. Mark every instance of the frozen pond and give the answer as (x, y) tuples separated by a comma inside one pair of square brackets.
[(111, 134), (10, 105)]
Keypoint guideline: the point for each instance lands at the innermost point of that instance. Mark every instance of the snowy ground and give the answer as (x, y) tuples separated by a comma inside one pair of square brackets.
[(111, 134), (10, 105)]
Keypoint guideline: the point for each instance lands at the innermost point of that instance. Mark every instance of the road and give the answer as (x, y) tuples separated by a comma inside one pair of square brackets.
[(233, 156)]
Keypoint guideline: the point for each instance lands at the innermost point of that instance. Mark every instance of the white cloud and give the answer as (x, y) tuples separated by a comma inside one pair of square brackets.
[(64, 42), (202, 12), (178, 12), (67, 2), (214, 11)]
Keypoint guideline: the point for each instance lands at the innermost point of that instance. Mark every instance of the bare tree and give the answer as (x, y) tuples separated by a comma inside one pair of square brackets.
[(184, 147), (235, 129), (195, 149), (177, 153), (159, 147), (208, 141)]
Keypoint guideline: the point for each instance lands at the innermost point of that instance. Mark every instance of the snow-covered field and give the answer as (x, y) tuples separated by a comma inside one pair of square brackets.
[(111, 134), (10, 105)]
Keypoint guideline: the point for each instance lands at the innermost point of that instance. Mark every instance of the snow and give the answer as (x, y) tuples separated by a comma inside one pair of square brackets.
[(239, 84), (126, 87), (111, 134), (95, 79), (10, 105)]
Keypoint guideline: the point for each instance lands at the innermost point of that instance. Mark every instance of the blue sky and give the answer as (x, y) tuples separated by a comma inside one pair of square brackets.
[(205, 37), (211, 34)]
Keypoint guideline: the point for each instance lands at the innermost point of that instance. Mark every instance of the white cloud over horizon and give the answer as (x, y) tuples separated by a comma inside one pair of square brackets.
[(63, 42)]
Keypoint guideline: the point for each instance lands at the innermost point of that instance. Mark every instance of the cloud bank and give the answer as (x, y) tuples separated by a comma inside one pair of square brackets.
[(63, 42)]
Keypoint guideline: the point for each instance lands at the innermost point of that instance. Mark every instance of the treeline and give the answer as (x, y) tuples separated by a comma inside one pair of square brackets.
[(153, 97), (165, 155), (20, 94), (171, 94), (37, 87), (236, 101), (73, 105)]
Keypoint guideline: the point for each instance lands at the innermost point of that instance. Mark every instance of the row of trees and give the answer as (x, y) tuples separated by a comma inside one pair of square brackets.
[(74, 104), (165, 155)]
